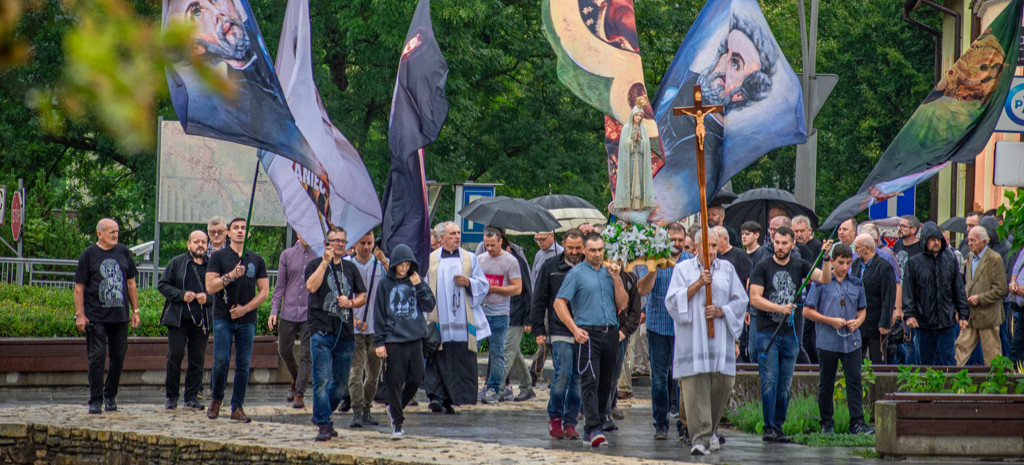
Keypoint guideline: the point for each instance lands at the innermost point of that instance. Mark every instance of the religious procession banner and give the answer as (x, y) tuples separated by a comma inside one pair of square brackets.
[(419, 108), (599, 61), (348, 198), (954, 123), (731, 54), (252, 111)]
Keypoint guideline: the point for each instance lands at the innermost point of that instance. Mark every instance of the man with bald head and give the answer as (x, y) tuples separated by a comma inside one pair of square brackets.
[(187, 316), (106, 301), (986, 287), (880, 291)]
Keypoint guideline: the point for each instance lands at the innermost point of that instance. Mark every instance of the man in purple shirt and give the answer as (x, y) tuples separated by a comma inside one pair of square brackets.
[(288, 310)]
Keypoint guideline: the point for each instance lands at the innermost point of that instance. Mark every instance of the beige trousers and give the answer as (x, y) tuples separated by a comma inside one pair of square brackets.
[(705, 396), (969, 338)]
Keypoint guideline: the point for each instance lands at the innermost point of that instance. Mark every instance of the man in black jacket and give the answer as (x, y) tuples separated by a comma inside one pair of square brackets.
[(187, 316), (934, 298), (564, 403), (880, 290)]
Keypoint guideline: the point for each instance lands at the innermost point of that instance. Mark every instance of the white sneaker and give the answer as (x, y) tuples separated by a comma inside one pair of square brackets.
[(715, 443), (699, 449), (398, 433)]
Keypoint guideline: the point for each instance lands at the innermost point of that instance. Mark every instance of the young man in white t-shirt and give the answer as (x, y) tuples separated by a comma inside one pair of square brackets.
[(505, 279)]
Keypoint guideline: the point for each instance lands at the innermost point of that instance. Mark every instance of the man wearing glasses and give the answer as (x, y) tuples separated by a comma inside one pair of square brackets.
[(335, 287), (879, 282), (548, 249), (217, 230), (838, 309)]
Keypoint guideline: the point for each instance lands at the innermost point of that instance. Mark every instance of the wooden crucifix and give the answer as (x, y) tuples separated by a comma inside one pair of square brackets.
[(698, 111)]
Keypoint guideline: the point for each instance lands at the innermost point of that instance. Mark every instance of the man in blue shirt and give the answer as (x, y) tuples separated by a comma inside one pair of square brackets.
[(838, 309), (661, 338), (596, 294)]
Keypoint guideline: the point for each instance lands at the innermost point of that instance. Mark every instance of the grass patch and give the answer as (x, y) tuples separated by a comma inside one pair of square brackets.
[(803, 423)]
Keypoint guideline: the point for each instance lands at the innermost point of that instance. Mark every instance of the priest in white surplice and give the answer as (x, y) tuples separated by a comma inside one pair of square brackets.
[(460, 287), (706, 368)]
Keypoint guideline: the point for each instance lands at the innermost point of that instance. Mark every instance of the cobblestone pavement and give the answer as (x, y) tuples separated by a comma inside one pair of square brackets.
[(507, 433)]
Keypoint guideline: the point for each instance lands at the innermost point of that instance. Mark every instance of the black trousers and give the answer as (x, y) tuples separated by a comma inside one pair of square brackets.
[(872, 349), (403, 372), (191, 337), (99, 339), (828, 362), (595, 361)]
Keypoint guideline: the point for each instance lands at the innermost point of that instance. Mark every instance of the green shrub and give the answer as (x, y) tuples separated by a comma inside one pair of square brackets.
[(27, 311), (934, 381)]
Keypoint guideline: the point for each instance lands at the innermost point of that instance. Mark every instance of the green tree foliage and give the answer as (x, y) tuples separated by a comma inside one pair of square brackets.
[(511, 121)]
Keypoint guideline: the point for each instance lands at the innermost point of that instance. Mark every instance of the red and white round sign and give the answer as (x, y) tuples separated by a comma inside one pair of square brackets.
[(16, 215)]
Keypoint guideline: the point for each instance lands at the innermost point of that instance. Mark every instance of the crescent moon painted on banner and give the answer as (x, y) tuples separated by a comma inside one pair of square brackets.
[(600, 58)]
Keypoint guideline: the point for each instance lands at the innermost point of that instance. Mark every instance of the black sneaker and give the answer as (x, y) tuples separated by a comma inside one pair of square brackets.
[(661, 432), (435, 406), (95, 408), (323, 433), (109, 405), (684, 435), (828, 428), (609, 425), (194, 404), (171, 404), (769, 434), (357, 420), (781, 438), (861, 428)]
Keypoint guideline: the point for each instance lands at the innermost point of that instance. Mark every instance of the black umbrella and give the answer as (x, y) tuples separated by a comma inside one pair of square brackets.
[(509, 213), (957, 224), (724, 197), (754, 205)]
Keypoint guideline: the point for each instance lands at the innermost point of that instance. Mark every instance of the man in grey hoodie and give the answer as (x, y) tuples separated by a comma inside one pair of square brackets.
[(402, 303)]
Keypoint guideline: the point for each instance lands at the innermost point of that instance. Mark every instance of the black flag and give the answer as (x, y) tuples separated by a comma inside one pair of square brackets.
[(418, 110)]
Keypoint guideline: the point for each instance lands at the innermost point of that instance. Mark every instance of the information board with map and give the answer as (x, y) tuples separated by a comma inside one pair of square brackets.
[(202, 177)]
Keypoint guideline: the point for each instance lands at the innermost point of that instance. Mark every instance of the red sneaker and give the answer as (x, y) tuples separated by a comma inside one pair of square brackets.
[(555, 428), (570, 432)]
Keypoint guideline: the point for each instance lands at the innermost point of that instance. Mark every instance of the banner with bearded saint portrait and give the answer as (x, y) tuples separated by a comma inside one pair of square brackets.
[(599, 61), (251, 110), (731, 53), (348, 199), (954, 123)]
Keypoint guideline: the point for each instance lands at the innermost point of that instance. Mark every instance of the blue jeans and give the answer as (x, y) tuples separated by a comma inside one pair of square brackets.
[(565, 398), (226, 333), (776, 371), (909, 354), (496, 351), (659, 348), (1004, 329), (1017, 344), (332, 360), (936, 346)]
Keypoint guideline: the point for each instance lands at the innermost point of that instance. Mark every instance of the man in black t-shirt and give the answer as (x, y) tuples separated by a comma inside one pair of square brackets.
[(104, 289), (773, 292), (335, 287), (239, 286)]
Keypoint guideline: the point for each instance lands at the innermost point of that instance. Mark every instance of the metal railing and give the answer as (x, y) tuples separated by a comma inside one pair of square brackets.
[(60, 273)]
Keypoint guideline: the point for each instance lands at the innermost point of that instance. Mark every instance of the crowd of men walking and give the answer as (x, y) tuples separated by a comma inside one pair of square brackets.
[(775, 301)]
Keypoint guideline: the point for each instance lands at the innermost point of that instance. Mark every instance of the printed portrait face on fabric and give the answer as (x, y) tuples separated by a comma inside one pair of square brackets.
[(731, 54), (254, 111), (403, 301)]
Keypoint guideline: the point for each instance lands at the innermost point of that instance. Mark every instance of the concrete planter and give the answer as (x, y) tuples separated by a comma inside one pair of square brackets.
[(63, 361)]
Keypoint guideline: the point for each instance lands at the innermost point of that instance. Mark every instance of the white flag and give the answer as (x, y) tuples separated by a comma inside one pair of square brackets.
[(353, 201)]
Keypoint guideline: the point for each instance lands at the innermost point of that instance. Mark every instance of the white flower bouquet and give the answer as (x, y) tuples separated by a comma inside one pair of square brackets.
[(636, 244)]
